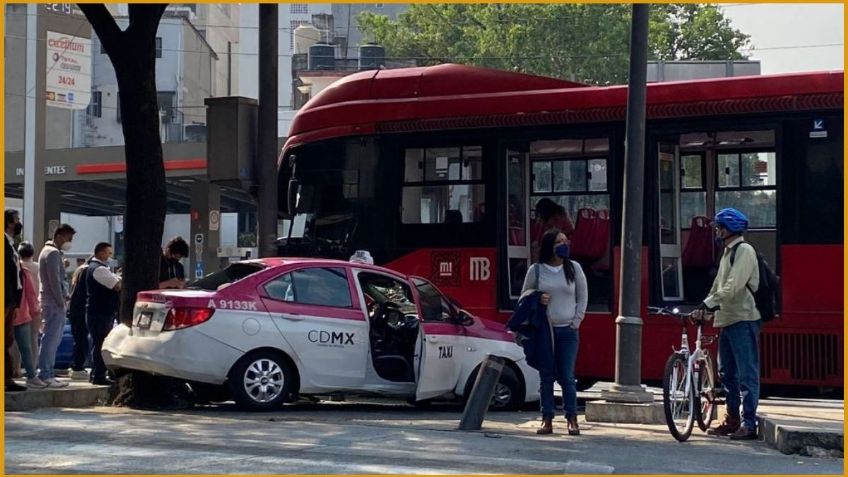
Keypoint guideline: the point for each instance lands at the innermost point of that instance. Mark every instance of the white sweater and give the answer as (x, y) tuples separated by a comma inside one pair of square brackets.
[(568, 300)]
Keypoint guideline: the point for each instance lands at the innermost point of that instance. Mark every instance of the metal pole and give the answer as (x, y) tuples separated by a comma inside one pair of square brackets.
[(28, 217), (266, 151), (628, 339)]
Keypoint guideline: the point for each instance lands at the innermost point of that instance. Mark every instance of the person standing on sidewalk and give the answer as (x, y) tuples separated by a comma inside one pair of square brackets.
[(29, 312), (13, 291), (51, 270), (737, 316), (101, 308), (27, 252), (566, 295), (171, 271), (79, 328)]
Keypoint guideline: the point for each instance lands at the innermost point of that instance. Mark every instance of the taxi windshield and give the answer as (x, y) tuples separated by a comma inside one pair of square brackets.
[(233, 273)]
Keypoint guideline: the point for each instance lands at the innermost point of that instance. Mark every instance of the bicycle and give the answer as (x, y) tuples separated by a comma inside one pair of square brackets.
[(689, 385)]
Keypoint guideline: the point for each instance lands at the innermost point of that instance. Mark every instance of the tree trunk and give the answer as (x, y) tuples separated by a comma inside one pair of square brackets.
[(144, 220), (133, 54)]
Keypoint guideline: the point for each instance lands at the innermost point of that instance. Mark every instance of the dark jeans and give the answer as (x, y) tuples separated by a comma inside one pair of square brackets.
[(79, 330), (98, 326), (739, 369), (566, 343)]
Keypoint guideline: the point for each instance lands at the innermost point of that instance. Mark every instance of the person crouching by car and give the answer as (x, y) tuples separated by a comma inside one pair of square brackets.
[(171, 271), (101, 308), (565, 294)]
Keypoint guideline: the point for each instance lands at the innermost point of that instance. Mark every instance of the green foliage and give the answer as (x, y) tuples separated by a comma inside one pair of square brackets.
[(581, 42)]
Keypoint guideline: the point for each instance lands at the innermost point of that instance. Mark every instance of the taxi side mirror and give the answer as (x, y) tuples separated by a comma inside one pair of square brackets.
[(464, 318)]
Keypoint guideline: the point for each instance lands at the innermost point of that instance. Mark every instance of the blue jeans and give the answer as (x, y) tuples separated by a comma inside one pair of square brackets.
[(54, 326), (566, 342), (739, 369), (23, 338)]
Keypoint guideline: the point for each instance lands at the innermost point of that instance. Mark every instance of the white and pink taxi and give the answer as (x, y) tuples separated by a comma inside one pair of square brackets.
[(264, 331)]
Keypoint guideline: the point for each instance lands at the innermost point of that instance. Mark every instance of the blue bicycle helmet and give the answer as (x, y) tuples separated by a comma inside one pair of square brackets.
[(731, 219)]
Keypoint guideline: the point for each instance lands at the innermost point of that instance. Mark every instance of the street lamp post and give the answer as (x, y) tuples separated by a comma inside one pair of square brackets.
[(628, 338)]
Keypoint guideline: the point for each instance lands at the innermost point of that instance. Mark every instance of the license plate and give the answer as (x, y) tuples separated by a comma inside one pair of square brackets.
[(144, 319)]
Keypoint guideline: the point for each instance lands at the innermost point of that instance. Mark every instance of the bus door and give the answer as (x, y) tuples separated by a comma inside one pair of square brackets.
[(517, 220), (669, 226)]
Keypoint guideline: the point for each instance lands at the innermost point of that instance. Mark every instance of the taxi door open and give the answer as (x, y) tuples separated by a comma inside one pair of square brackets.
[(441, 347)]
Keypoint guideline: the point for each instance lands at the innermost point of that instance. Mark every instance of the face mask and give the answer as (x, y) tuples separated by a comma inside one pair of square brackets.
[(66, 247), (19, 227), (562, 250)]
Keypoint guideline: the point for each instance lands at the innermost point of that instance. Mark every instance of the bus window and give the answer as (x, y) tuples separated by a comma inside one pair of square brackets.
[(443, 185), (693, 195), (747, 181)]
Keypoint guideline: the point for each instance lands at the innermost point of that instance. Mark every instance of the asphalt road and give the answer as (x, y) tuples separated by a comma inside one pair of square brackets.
[(364, 437)]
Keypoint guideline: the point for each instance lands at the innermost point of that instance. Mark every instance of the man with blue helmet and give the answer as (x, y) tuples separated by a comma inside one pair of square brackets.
[(737, 316)]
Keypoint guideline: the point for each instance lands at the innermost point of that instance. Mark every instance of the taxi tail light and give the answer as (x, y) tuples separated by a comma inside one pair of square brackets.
[(182, 317)]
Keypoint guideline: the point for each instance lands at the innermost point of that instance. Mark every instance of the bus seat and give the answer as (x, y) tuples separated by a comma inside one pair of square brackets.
[(581, 239), (699, 250), (601, 242)]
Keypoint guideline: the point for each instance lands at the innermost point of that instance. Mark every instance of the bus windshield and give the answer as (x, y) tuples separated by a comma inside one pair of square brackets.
[(323, 221)]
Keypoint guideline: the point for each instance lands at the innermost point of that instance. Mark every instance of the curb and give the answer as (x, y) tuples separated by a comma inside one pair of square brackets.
[(67, 397), (794, 439)]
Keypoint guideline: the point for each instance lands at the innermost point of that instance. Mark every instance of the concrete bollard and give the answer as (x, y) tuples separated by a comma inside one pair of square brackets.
[(481, 393)]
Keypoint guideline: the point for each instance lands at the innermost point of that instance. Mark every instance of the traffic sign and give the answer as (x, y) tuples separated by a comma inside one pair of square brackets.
[(214, 220)]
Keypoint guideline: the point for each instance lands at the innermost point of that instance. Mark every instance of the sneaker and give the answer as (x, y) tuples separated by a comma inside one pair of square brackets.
[(13, 387), (55, 383), (35, 383), (79, 375), (744, 434), (104, 381)]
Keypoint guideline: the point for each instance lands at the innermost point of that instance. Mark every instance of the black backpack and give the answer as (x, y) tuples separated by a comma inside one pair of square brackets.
[(765, 298)]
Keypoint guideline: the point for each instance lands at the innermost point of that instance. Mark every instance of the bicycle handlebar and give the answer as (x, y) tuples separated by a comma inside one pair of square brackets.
[(661, 310), (665, 311)]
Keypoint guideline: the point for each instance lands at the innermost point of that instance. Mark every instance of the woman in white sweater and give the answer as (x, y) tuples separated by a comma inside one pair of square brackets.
[(565, 294)]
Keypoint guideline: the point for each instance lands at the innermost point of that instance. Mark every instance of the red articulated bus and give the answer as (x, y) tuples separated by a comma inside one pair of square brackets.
[(437, 172)]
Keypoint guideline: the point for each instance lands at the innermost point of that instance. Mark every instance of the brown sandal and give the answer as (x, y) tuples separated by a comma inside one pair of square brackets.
[(547, 427)]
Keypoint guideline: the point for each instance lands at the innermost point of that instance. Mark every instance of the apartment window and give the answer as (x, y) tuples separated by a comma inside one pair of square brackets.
[(158, 47), (95, 107), (299, 8), (747, 181)]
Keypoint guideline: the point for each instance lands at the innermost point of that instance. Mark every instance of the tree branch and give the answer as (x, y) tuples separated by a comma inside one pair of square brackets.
[(144, 18), (103, 24)]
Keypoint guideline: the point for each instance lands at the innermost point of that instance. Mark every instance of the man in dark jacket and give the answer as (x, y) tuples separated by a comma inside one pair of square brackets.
[(79, 329), (101, 307), (13, 291)]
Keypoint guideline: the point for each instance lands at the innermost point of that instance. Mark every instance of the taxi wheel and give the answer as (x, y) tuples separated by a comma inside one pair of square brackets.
[(261, 381)]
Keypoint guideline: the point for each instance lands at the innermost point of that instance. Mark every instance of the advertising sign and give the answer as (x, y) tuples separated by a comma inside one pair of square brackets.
[(68, 71)]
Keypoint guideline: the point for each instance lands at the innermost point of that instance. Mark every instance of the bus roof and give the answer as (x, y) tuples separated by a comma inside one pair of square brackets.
[(455, 97)]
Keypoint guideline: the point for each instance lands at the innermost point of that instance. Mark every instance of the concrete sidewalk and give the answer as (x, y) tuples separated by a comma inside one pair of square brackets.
[(811, 427), (76, 394)]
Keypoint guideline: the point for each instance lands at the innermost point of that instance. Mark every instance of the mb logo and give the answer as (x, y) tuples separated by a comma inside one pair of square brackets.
[(480, 269)]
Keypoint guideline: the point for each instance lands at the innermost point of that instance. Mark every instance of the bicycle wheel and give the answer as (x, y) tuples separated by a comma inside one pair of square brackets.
[(678, 404), (707, 393)]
